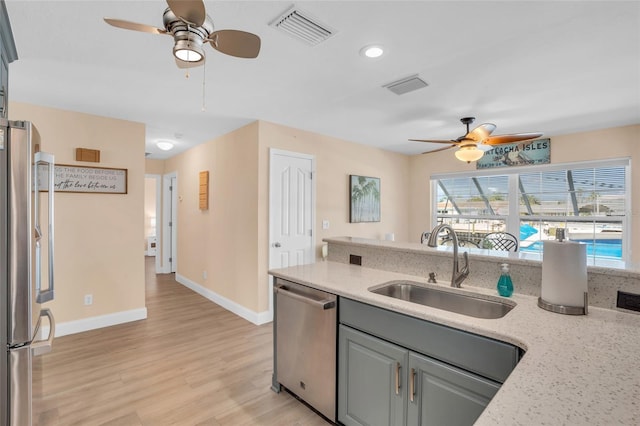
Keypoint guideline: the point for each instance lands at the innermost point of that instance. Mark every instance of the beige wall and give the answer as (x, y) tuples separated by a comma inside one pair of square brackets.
[(98, 249), (220, 241), (230, 240), (619, 142), (336, 159), (154, 167)]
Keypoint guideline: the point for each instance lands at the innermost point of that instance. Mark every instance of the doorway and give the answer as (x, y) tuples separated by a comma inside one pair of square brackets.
[(152, 214)]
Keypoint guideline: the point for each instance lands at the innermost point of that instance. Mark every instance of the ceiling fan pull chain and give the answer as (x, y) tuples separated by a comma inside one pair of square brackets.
[(188, 52)]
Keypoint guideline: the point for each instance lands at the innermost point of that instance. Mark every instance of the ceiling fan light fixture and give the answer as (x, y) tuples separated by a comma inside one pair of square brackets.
[(469, 153), (187, 51)]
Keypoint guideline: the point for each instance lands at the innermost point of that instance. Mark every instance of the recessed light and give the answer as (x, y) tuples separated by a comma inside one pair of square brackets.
[(372, 51), (164, 145)]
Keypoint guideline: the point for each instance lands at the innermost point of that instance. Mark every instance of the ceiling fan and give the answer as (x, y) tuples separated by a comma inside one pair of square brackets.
[(190, 26), (473, 145)]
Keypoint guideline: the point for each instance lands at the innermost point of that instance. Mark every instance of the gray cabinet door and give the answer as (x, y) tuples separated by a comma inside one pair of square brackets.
[(371, 380), (440, 394), (4, 84)]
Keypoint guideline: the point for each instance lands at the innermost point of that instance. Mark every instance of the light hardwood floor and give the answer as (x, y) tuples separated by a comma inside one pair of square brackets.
[(189, 363)]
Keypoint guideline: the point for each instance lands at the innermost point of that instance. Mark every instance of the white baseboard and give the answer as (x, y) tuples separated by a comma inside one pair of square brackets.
[(92, 323), (257, 318)]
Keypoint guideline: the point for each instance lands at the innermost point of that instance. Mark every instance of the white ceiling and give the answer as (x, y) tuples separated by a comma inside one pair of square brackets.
[(556, 67)]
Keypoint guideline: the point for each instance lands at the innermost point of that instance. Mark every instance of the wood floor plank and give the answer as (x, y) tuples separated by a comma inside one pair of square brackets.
[(189, 363)]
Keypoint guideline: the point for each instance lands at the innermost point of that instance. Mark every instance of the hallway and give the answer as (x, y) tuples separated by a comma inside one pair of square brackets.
[(189, 363)]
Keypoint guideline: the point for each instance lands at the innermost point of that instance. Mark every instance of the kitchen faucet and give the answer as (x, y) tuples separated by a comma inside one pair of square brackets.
[(458, 276)]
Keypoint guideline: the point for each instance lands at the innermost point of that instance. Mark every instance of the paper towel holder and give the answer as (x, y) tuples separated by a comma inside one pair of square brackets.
[(567, 310)]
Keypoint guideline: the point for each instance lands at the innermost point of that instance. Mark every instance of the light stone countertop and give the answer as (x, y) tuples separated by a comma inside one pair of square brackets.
[(577, 370)]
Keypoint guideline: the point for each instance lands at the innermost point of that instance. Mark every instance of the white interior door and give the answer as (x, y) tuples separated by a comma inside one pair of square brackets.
[(291, 211)]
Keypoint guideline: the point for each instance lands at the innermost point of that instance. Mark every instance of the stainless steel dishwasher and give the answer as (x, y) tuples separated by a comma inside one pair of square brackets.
[(305, 345)]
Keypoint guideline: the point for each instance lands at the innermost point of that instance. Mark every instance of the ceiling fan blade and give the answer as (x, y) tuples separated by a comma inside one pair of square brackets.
[(236, 43), (481, 132), (440, 149), (434, 141), (190, 11), (128, 25), (185, 64), (516, 137)]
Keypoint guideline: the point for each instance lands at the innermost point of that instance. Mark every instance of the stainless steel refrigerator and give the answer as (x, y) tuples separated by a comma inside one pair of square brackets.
[(26, 265)]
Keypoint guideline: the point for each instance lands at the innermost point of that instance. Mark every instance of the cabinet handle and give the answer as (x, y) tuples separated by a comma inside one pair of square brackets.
[(397, 378), (412, 385), (3, 105)]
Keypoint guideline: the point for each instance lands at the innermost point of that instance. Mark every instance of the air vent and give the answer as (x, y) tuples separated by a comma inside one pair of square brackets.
[(302, 26), (406, 85)]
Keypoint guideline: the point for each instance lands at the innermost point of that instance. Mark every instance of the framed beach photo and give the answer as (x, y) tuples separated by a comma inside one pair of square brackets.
[(364, 196)]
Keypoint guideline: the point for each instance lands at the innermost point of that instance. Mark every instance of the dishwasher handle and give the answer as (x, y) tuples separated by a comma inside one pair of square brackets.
[(320, 304)]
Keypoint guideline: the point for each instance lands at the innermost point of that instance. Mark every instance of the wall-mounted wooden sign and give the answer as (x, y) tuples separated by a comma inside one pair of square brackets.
[(86, 154), (101, 180), (203, 190)]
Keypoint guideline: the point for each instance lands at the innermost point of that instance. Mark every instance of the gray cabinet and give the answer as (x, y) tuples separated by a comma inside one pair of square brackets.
[(371, 375), (440, 394), (398, 370), (4, 85), (383, 384), (7, 55)]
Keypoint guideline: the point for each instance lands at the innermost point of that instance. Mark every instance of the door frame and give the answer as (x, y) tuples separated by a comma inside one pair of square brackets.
[(279, 152), (159, 235), (169, 214)]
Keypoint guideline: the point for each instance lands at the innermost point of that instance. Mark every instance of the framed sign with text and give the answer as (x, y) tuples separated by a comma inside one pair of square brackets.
[(516, 154), (100, 180)]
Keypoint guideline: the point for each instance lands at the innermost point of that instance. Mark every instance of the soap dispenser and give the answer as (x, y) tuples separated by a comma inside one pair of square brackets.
[(505, 285)]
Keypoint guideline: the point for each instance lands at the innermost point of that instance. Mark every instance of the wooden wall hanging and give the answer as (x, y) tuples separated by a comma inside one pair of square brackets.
[(89, 155), (203, 190)]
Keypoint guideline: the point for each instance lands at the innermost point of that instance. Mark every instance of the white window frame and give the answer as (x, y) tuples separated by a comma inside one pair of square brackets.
[(513, 220)]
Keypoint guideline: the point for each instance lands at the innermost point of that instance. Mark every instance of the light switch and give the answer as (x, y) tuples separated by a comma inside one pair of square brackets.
[(325, 224)]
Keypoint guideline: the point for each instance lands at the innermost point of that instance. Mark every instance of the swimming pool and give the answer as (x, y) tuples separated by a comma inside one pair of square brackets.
[(611, 249)]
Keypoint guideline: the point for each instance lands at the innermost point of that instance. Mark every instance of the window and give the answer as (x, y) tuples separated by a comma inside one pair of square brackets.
[(591, 200)]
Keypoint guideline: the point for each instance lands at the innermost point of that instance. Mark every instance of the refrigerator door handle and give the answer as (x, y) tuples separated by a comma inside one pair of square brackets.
[(39, 347), (44, 158)]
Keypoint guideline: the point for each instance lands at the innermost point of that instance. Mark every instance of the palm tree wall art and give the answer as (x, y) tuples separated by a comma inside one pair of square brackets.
[(365, 199)]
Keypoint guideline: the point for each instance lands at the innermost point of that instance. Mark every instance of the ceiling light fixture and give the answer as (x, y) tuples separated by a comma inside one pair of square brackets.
[(188, 51), (165, 145), (469, 153), (372, 51)]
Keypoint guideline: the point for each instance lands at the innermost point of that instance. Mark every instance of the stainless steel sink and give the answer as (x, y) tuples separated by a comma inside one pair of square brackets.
[(441, 299)]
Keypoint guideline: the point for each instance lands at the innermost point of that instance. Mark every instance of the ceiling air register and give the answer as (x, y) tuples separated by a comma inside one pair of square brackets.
[(302, 26)]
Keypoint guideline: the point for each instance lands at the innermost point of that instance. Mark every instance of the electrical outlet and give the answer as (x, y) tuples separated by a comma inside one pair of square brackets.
[(325, 224), (355, 259), (204, 275), (88, 299), (628, 301)]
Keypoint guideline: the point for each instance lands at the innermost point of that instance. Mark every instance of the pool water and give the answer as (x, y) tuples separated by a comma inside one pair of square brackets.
[(601, 248)]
